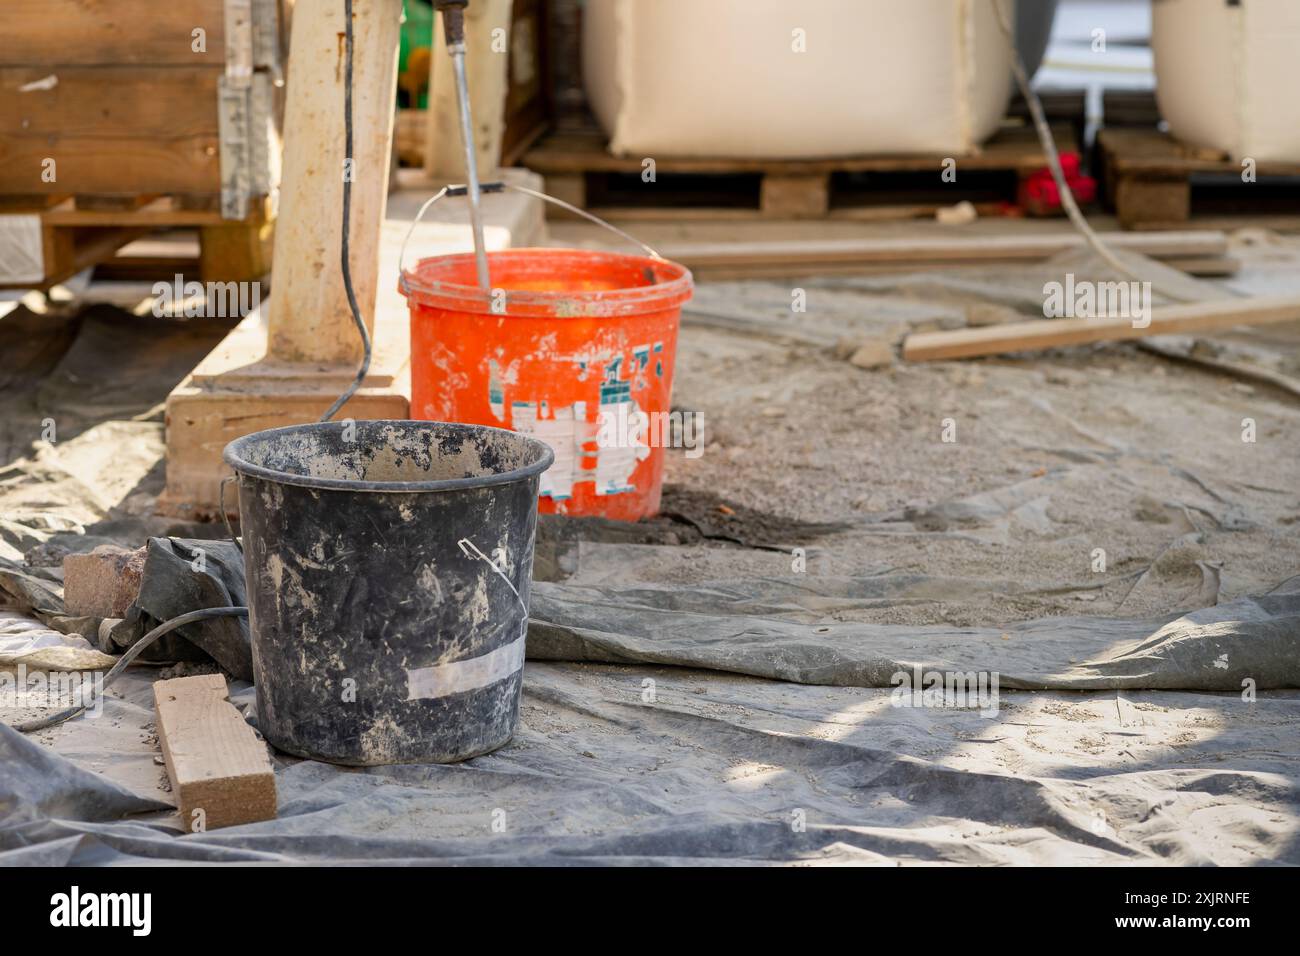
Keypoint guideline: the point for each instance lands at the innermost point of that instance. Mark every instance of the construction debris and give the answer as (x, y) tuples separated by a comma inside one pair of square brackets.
[(103, 583)]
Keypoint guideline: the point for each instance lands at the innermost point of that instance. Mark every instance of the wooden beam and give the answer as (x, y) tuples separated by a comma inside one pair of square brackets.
[(235, 252), (1029, 248), (309, 318), (220, 771), (1055, 333), (444, 153)]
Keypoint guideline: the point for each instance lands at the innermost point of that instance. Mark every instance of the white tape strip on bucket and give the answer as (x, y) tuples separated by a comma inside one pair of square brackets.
[(443, 680)]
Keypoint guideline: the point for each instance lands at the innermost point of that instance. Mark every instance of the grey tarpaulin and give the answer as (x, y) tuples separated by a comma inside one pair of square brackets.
[(778, 629), (720, 769), (621, 764), (182, 575)]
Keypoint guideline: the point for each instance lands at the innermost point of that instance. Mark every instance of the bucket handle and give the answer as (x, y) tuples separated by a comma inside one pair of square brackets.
[(226, 517), (499, 187)]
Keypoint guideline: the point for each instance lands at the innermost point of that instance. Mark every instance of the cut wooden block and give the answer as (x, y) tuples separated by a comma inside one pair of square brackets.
[(235, 252), (1141, 200), (220, 772), (1054, 333)]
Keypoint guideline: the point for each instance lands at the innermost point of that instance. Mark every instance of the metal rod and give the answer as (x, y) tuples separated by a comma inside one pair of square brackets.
[(471, 166)]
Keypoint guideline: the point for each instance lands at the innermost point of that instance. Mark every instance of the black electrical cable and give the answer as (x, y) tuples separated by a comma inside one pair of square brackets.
[(131, 654), (349, 171)]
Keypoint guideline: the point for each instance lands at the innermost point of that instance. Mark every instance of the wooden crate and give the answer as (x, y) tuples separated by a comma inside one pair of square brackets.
[(1155, 182), (107, 106), (133, 97), (579, 169)]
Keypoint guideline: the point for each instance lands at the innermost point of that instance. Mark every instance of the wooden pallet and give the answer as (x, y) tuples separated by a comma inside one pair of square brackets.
[(51, 238), (1155, 182), (579, 169)]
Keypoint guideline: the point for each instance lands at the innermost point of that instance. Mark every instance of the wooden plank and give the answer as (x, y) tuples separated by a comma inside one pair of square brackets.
[(220, 772), (1055, 333), (110, 130), (1205, 265), (160, 213), (98, 203), (1149, 151), (1208, 266), (1029, 248), (80, 33)]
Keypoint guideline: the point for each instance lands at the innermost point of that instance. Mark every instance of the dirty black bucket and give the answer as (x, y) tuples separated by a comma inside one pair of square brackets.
[(388, 567)]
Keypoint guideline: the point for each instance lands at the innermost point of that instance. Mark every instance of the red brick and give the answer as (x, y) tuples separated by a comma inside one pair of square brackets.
[(103, 583)]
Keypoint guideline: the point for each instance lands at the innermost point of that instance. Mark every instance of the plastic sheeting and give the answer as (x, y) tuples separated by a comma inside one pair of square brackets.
[(650, 763), (615, 765)]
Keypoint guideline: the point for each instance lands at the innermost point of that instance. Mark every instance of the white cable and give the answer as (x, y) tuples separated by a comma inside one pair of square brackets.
[(1054, 163)]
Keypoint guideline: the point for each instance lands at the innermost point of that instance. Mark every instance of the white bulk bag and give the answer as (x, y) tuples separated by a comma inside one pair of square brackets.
[(1227, 76), (727, 78)]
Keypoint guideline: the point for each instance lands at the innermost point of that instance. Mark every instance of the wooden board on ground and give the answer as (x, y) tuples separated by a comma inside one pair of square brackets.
[(580, 169), (1056, 333), (1204, 250), (1156, 182), (220, 771)]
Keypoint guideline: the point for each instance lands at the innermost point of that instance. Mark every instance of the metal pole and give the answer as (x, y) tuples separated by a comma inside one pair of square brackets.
[(454, 25)]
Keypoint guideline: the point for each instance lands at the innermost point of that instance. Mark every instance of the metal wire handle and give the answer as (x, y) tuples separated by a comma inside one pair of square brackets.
[(226, 517), (497, 187)]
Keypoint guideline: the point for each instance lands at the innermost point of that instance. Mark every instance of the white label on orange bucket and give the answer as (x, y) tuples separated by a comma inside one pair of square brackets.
[(443, 680), (562, 433), (583, 449)]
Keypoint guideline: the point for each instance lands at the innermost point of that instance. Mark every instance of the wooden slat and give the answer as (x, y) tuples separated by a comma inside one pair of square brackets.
[(111, 130), (215, 761), (968, 249), (162, 212), (1055, 333), (38, 33), (1151, 152)]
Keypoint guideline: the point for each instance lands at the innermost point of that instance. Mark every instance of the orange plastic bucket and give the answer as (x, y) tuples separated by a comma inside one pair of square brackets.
[(573, 347)]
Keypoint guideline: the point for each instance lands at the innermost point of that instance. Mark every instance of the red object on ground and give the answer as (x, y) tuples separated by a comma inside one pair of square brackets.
[(572, 347), (1039, 196)]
